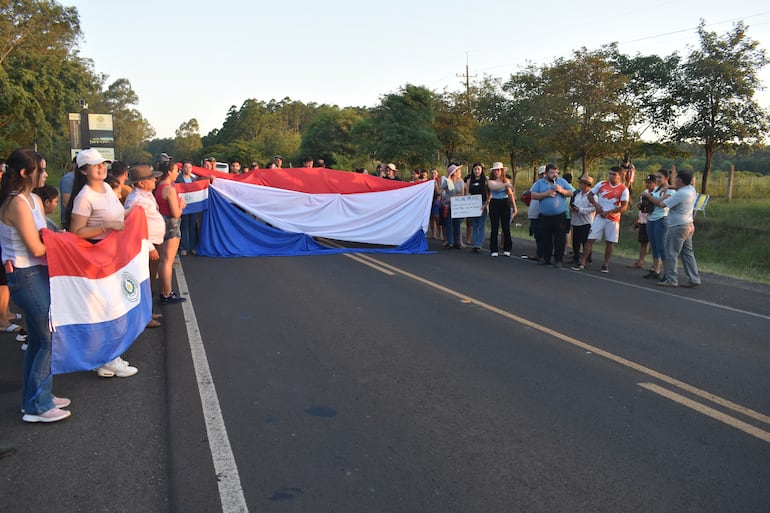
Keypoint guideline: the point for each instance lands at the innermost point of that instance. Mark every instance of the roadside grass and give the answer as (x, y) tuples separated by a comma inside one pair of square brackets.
[(732, 239)]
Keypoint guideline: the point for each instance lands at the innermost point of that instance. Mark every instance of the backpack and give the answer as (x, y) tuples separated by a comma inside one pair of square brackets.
[(526, 197)]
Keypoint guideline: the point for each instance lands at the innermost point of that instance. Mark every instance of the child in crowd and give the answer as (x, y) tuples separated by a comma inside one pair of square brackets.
[(50, 197)]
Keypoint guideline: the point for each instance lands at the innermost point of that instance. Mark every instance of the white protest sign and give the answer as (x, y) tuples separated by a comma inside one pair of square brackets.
[(466, 206)]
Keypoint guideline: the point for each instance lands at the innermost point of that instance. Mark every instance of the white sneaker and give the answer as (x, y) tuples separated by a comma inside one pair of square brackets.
[(506, 253), (494, 254), (117, 367)]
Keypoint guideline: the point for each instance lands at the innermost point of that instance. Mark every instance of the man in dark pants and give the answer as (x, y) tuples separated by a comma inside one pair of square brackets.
[(552, 193)]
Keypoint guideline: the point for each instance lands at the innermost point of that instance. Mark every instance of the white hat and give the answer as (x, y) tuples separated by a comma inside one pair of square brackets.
[(541, 170), (498, 165), (89, 157), (451, 169), (392, 166)]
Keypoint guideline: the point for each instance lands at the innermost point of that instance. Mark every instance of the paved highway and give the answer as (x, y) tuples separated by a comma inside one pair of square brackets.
[(449, 382)]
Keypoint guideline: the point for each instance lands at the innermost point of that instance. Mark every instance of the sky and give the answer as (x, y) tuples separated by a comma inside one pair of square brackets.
[(196, 60)]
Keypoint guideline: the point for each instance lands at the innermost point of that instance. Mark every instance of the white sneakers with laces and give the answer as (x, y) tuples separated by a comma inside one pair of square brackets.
[(117, 367)]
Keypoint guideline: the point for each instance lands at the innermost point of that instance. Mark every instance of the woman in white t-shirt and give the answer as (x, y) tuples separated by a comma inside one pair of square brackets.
[(93, 210)]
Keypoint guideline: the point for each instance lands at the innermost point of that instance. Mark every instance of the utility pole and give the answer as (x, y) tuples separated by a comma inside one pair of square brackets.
[(467, 77)]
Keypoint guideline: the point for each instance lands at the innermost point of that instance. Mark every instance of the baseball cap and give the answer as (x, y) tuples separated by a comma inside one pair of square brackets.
[(89, 157)]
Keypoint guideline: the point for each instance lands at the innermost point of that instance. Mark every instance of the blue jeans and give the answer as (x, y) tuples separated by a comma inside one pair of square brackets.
[(189, 229), (452, 230), (656, 233), (679, 243), (479, 228), (30, 291)]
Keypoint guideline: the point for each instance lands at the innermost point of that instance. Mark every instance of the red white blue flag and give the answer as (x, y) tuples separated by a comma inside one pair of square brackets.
[(195, 194), (100, 294)]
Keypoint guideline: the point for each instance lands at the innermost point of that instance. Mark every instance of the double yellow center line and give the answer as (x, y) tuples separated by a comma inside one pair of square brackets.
[(673, 396)]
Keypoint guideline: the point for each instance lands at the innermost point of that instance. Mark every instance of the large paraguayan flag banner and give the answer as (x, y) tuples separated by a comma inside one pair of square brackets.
[(100, 294), (296, 204)]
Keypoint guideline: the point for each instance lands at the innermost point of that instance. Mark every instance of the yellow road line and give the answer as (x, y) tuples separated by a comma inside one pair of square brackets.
[(375, 265), (582, 345), (710, 412)]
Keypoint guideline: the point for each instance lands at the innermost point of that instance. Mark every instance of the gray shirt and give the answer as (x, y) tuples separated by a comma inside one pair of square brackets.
[(680, 206)]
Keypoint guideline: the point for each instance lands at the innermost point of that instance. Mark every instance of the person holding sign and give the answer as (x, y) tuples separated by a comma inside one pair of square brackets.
[(476, 185), (452, 185), (502, 208)]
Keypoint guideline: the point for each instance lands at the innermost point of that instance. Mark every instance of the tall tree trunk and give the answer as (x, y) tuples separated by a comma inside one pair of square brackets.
[(707, 167)]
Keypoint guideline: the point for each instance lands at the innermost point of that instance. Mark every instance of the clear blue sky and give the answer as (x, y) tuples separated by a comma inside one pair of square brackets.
[(195, 60)]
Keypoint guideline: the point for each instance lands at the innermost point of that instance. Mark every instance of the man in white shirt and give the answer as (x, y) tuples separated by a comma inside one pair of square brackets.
[(680, 231)]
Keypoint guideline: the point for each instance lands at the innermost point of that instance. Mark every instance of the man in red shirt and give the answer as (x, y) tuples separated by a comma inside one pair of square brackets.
[(610, 197)]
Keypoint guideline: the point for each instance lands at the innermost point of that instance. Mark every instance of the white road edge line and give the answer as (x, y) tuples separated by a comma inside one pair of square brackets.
[(228, 479), (709, 412)]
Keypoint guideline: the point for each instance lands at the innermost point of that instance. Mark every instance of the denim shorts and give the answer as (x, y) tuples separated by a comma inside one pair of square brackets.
[(172, 228)]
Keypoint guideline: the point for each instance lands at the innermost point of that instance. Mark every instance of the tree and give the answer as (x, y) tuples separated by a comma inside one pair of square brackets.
[(585, 105), (130, 128), (511, 118), (713, 94), (328, 135), (403, 126), (187, 143), (455, 126), (42, 76)]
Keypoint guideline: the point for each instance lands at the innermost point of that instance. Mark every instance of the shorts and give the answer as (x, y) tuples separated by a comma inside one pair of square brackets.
[(643, 239), (604, 227), (173, 230)]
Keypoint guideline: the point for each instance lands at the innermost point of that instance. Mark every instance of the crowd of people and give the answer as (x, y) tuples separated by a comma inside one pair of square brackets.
[(94, 202), (560, 214)]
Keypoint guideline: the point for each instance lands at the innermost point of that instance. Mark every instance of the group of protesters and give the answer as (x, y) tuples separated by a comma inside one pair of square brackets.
[(94, 204), (589, 214)]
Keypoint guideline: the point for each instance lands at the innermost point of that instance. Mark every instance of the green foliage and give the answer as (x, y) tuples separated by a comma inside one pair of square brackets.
[(714, 94), (187, 143), (402, 127), (329, 135)]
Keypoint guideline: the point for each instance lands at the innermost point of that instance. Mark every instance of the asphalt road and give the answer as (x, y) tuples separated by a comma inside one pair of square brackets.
[(449, 382)]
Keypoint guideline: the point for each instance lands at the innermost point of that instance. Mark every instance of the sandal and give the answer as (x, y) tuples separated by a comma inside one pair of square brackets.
[(11, 328)]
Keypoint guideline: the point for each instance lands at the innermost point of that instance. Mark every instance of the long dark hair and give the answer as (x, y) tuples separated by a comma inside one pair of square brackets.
[(165, 168), (13, 182), (78, 181)]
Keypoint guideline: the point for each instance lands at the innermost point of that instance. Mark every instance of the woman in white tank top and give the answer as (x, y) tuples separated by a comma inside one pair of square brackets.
[(24, 257)]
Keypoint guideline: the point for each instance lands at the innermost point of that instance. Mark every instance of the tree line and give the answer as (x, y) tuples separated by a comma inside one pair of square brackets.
[(585, 110)]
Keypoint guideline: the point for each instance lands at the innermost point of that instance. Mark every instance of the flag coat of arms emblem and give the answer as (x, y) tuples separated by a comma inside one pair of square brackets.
[(100, 294)]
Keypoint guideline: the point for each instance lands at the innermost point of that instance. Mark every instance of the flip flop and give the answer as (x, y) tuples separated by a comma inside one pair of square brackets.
[(15, 317), (11, 328)]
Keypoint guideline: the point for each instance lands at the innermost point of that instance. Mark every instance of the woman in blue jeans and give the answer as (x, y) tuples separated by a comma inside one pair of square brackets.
[(22, 216), (477, 184), (452, 185), (656, 226)]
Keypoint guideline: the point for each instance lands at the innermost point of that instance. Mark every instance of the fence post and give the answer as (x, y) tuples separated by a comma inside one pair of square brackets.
[(730, 183)]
